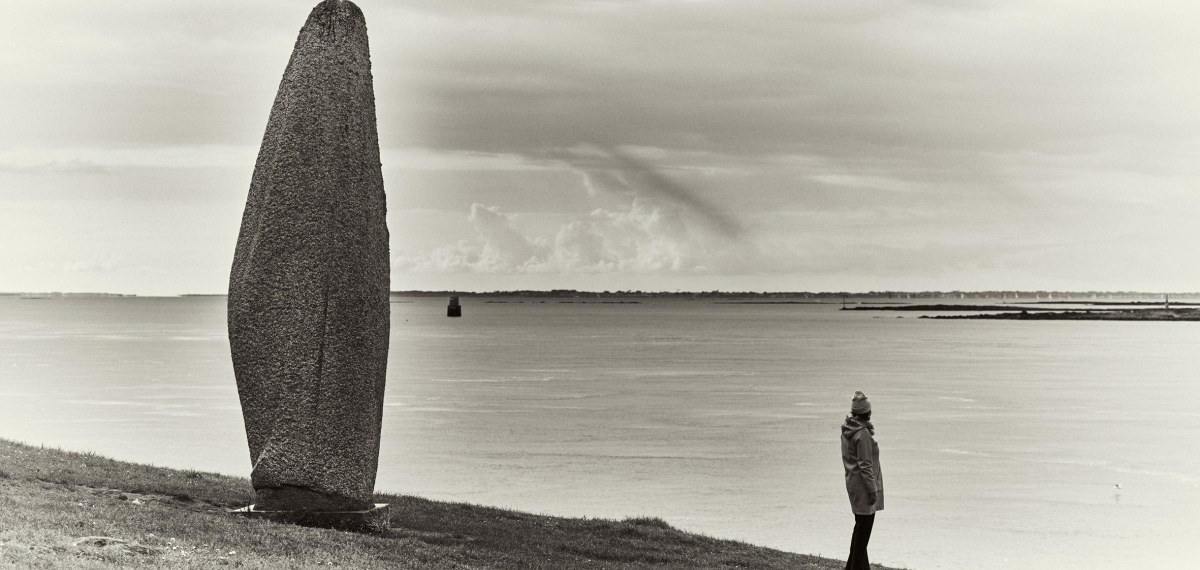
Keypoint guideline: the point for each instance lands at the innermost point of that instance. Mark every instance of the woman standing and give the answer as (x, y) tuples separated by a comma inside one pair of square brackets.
[(864, 482)]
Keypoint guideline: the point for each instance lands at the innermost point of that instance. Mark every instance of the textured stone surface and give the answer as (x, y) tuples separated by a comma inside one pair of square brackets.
[(308, 293)]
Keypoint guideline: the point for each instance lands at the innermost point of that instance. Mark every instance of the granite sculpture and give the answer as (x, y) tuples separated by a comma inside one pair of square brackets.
[(308, 293)]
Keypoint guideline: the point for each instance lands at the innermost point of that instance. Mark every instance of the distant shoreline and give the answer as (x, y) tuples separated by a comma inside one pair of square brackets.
[(947, 308), (1156, 312), (1103, 315)]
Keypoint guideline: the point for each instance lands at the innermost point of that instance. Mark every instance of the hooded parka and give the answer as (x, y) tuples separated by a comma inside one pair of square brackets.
[(860, 457)]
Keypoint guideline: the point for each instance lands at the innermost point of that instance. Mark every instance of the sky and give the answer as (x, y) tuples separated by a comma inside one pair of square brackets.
[(662, 145)]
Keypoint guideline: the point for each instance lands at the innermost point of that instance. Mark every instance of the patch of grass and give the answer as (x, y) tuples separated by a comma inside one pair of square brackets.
[(87, 469), (61, 509)]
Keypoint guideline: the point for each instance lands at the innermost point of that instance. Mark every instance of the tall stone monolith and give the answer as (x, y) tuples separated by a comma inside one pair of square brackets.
[(308, 294)]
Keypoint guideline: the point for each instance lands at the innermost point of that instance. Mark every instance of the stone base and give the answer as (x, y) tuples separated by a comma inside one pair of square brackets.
[(294, 498), (374, 518)]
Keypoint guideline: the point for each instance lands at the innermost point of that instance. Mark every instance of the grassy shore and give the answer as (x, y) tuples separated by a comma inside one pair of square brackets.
[(60, 509)]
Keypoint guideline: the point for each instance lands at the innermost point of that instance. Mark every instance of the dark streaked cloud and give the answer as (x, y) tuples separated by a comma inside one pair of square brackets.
[(614, 169)]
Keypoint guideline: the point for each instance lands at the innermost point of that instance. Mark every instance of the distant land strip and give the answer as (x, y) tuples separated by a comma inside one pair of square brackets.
[(1126, 303), (1105, 315), (775, 302), (948, 308)]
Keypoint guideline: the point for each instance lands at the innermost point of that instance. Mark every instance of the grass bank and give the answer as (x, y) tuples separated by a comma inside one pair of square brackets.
[(60, 509)]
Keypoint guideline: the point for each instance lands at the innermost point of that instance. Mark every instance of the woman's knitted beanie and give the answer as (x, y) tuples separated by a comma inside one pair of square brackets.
[(860, 404)]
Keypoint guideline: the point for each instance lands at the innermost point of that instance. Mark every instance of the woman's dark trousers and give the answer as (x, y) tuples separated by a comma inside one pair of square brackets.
[(858, 544)]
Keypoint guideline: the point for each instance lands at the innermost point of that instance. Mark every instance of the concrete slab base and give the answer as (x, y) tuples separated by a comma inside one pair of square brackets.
[(373, 518)]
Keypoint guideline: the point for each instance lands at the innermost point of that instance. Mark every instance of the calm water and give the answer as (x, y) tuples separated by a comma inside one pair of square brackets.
[(1003, 442)]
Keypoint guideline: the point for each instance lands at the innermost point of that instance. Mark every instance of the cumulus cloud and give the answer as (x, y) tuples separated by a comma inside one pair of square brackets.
[(661, 225), (649, 236), (94, 264)]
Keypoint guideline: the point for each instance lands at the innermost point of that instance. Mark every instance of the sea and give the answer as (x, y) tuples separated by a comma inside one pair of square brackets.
[(1003, 443)]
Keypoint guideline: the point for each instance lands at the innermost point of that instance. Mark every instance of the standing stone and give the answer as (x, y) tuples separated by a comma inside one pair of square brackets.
[(308, 294)]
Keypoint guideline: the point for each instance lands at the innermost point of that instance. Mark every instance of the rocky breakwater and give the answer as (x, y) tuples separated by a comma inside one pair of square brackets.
[(308, 293)]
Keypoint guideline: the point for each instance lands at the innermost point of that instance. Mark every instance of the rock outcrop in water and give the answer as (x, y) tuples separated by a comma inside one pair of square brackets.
[(308, 293)]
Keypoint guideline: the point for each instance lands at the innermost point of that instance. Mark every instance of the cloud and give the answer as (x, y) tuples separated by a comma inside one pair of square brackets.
[(104, 159), (96, 264), (660, 225), (504, 248), (872, 182), (616, 170), (53, 166), (412, 158), (649, 236)]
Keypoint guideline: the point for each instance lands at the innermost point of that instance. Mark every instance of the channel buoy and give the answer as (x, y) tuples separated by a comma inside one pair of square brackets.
[(454, 310)]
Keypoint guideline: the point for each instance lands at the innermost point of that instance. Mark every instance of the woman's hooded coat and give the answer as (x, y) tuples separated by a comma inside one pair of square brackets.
[(860, 457)]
